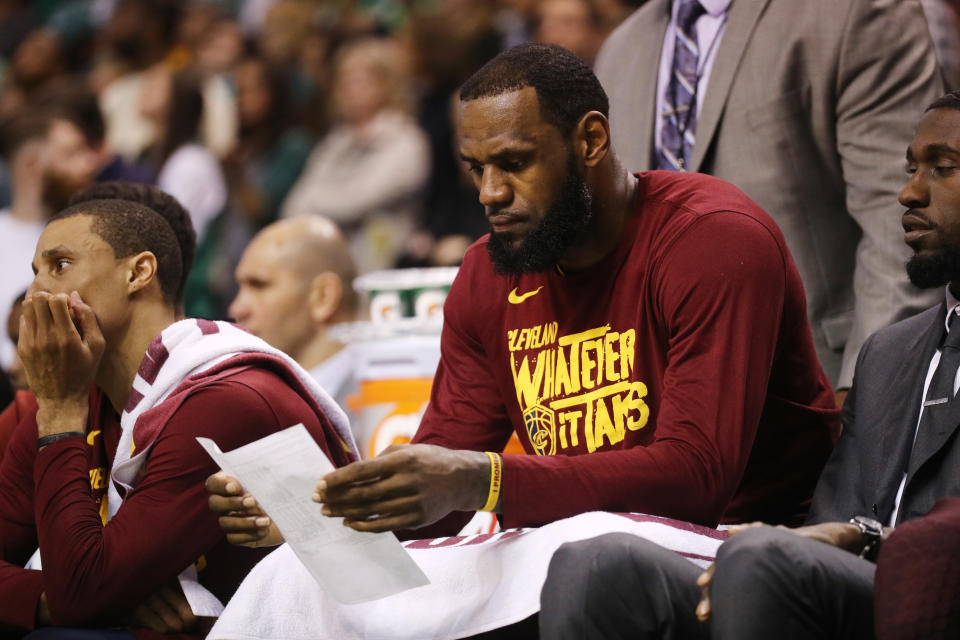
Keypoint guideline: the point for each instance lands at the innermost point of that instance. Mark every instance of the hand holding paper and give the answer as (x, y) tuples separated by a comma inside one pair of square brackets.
[(239, 514), (281, 472)]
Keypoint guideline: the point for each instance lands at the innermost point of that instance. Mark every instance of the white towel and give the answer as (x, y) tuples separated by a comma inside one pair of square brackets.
[(182, 355), (183, 350), (477, 583)]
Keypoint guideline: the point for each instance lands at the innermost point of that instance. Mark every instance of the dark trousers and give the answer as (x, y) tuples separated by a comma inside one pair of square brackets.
[(61, 633), (768, 584)]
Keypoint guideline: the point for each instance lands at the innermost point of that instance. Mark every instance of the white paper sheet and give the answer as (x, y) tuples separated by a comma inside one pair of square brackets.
[(281, 471)]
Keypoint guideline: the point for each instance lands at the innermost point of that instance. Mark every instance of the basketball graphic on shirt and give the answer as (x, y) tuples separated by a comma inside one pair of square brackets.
[(541, 429)]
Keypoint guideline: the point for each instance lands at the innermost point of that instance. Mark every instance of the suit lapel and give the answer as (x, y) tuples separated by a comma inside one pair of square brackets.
[(928, 443), (644, 88), (905, 410), (740, 23)]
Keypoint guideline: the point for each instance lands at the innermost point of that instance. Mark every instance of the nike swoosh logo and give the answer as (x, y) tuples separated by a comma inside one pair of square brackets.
[(515, 298)]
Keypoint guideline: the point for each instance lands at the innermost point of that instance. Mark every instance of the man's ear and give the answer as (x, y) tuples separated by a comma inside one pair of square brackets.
[(593, 138), (326, 293), (141, 272)]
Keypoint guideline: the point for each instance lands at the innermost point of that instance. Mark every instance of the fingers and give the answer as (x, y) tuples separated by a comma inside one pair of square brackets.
[(380, 509), (703, 581), (738, 528), (390, 523), (159, 614), (144, 616), (86, 322), (28, 328), (364, 494), (246, 531), (222, 484), (401, 458), (177, 601)]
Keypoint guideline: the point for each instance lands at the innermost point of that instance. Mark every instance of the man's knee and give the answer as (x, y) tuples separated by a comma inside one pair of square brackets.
[(610, 556), (617, 586), (754, 553)]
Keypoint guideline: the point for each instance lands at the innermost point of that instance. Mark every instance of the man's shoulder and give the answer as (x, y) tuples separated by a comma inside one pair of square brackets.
[(691, 196), (896, 335)]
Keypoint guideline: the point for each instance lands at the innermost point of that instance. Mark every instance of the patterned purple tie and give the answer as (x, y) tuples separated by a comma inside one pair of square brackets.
[(680, 102)]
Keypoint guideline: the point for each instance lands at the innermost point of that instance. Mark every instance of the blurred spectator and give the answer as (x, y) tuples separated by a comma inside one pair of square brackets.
[(207, 44), (446, 47), (136, 37), (37, 64), (296, 281), (271, 150), (220, 48), (25, 150), (185, 168), (576, 25), (16, 21), (514, 21), (284, 29), (366, 174), (79, 153)]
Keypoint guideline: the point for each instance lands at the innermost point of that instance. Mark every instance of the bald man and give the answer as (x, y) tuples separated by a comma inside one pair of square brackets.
[(295, 283)]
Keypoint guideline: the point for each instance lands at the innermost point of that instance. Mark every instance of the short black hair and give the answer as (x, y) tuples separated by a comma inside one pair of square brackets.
[(160, 201), (566, 87), (949, 100), (129, 228)]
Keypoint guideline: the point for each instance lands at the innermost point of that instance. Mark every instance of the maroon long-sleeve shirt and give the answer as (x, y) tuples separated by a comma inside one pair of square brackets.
[(95, 574), (676, 377)]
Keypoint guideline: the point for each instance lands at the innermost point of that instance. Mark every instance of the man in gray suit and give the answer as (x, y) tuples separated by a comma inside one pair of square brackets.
[(804, 106), (897, 455)]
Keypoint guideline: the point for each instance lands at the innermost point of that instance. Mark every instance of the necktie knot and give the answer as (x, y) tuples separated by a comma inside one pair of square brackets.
[(688, 13), (952, 339)]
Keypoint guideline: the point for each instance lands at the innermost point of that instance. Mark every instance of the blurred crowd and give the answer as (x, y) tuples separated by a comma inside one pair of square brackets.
[(251, 110)]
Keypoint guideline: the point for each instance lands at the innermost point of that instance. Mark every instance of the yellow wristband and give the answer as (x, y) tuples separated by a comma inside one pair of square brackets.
[(496, 475)]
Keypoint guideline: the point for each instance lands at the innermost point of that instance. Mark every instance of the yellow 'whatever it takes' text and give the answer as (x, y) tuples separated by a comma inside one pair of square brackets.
[(576, 387)]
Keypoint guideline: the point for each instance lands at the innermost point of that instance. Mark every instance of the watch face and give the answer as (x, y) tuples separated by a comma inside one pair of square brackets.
[(868, 525)]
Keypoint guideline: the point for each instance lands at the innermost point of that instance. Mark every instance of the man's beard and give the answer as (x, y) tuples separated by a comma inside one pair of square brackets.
[(565, 222), (936, 269)]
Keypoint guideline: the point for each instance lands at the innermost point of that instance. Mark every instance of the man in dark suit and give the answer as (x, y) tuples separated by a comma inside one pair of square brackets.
[(898, 454)]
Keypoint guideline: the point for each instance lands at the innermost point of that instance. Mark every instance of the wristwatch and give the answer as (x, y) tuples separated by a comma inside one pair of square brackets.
[(871, 533)]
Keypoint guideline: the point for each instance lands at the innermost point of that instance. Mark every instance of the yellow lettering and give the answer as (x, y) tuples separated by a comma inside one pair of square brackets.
[(574, 418), (512, 339), (610, 356), (604, 426), (522, 338), (627, 340), (527, 387), (638, 391), (561, 380), (576, 338), (587, 364), (533, 334), (588, 428), (552, 332), (96, 478), (586, 398), (562, 419), (549, 369)]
